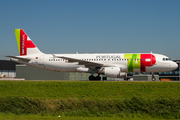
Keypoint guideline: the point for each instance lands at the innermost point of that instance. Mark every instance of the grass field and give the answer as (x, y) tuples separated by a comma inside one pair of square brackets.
[(89, 90), (50, 117), (87, 100)]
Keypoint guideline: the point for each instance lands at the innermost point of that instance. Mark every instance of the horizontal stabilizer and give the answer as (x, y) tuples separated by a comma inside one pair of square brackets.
[(19, 58)]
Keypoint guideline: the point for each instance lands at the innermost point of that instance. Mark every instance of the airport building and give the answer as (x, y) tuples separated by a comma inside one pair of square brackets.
[(10, 69), (7, 68)]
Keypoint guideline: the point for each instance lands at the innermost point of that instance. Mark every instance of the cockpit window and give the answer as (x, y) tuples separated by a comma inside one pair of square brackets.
[(166, 59)]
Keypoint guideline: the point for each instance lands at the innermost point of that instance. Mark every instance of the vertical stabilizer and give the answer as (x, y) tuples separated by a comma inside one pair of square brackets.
[(25, 45)]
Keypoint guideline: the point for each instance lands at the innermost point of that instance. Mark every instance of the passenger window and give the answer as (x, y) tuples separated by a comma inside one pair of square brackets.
[(147, 60)]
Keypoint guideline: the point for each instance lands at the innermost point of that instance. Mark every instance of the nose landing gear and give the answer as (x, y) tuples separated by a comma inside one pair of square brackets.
[(153, 77)]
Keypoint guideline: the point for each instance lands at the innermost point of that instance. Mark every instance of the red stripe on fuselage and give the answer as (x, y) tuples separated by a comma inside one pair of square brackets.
[(147, 60)]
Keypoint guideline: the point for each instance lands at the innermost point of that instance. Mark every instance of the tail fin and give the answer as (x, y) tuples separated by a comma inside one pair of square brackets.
[(25, 45)]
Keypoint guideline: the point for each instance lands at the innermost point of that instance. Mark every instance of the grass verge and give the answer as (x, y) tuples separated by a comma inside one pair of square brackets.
[(157, 100)]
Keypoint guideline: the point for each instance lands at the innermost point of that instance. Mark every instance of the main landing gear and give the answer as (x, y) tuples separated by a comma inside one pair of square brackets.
[(93, 78)]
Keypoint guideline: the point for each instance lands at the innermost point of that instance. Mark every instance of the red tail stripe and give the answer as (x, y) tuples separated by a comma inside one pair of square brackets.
[(24, 43)]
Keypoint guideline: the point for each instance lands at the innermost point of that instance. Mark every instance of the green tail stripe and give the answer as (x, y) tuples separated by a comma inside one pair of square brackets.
[(17, 33)]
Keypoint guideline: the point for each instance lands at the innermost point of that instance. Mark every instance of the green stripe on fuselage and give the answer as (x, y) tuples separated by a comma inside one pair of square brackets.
[(133, 61), (17, 33)]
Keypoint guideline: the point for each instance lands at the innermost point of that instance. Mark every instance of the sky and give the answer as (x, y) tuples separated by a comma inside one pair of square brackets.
[(92, 26)]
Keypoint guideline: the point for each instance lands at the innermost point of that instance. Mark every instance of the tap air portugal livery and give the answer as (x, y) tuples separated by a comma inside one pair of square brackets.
[(115, 65)]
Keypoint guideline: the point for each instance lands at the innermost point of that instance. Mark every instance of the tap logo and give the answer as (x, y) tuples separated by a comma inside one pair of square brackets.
[(25, 43), (139, 61)]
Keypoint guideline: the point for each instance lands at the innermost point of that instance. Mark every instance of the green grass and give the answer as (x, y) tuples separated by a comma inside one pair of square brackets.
[(159, 108), (10, 116), (89, 90), (89, 100)]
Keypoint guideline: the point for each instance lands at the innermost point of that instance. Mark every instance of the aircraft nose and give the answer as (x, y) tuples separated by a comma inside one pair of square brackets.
[(174, 65)]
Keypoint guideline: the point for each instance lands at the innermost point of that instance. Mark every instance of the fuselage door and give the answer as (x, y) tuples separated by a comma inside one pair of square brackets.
[(41, 60)]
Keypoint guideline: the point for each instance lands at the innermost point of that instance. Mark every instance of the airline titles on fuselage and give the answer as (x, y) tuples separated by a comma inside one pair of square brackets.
[(108, 57)]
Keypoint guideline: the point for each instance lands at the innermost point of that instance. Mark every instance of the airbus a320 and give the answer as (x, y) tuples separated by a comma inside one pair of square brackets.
[(114, 65)]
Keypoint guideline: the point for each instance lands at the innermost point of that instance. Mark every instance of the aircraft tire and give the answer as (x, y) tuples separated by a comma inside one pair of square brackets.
[(98, 78), (153, 79), (91, 77)]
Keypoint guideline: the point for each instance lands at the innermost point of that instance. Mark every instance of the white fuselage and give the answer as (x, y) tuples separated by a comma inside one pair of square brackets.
[(49, 62)]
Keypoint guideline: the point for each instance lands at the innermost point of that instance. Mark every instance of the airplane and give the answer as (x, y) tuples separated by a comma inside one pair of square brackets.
[(114, 65)]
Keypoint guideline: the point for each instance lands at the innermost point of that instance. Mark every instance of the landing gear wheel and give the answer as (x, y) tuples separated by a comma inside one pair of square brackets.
[(98, 78), (91, 77), (153, 79)]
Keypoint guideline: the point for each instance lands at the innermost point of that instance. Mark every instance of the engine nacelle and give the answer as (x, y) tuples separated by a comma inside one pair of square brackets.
[(114, 72)]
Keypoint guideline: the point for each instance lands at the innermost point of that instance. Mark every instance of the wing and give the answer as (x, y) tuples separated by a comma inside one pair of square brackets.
[(83, 62)]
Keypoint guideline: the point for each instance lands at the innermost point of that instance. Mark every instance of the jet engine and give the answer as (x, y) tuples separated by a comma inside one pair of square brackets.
[(114, 72)]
